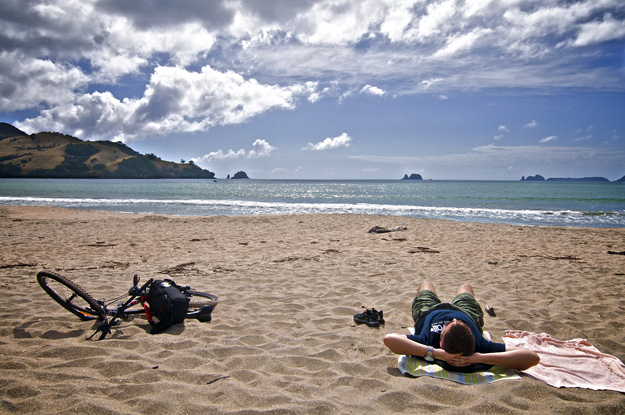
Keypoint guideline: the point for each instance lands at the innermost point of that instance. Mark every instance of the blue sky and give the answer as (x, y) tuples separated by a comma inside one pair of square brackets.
[(332, 89)]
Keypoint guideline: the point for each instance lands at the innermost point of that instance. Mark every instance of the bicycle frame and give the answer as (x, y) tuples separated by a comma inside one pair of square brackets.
[(120, 310)]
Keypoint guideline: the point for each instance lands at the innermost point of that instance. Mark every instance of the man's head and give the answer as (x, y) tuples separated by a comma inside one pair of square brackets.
[(456, 337)]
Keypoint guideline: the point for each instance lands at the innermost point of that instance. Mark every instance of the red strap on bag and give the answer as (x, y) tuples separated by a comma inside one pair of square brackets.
[(146, 308)]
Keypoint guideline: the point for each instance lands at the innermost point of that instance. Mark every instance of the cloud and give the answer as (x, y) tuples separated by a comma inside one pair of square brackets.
[(502, 44), (502, 155), (498, 137), (261, 148), (59, 59), (595, 32), (427, 83), (372, 90), (330, 143), (27, 82), (461, 43), (548, 139), (220, 155), (583, 138), (175, 100), (437, 19), (531, 124), (160, 13), (588, 133), (367, 90), (503, 128), (284, 170)]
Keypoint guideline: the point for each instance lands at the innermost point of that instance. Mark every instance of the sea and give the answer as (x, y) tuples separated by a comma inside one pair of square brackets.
[(545, 203)]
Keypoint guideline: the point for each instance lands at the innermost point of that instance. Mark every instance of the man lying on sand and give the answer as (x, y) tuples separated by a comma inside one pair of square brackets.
[(457, 329)]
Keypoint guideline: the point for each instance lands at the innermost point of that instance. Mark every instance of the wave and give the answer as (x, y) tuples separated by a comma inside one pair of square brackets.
[(193, 207)]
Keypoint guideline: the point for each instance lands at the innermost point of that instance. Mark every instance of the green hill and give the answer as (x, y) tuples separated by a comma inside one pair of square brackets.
[(55, 155), (7, 130)]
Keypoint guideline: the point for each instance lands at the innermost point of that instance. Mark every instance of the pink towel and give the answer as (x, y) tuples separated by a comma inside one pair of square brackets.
[(572, 363)]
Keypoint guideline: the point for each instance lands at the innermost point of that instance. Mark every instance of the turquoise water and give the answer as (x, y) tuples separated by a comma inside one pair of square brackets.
[(595, 204)]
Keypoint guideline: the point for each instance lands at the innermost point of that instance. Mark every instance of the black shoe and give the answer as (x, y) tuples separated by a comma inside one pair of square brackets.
[(371, 317)]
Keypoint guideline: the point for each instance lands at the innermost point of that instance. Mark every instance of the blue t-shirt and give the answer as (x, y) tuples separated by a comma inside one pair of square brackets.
[(428, 332)]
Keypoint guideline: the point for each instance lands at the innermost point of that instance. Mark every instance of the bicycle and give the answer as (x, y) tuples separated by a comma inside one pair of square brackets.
[(76, 300)]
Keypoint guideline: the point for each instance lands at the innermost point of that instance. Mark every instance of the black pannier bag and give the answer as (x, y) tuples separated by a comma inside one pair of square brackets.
[(166, 305)]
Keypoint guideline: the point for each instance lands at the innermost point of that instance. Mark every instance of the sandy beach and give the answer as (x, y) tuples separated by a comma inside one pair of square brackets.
[(283, 339)]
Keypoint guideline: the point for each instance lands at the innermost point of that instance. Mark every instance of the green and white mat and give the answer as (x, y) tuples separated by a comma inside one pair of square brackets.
[(413, 366)]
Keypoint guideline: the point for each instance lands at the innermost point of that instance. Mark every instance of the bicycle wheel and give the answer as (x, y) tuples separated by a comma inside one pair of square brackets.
[(70, 296), (199, 300)]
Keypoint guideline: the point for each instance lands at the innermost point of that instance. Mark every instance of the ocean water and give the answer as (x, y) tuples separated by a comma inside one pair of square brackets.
[(593, 204)]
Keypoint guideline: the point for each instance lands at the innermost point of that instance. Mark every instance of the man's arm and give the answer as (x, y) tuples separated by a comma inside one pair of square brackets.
[(401, 344), (515, 358)]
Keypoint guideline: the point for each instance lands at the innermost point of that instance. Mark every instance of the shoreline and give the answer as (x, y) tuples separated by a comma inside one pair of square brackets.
[(55, 212), (172, 215), (283, 338)]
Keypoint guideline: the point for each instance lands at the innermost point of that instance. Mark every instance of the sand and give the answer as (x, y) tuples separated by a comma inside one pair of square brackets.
[(282, 339)]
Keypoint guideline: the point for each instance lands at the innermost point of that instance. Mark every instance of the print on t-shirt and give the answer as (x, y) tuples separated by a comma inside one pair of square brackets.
[(438, 326)]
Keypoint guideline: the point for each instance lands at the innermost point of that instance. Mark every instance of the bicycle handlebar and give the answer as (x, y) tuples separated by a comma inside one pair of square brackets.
[(137, 291)]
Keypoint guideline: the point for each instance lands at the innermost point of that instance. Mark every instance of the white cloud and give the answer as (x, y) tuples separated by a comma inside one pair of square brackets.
[(330, 143), (261, 148), (503, 128), (127, 49), (531, 124), (548, 139), (26, 82), (220, 155), (461, 43), (427, 83), (439, 15), (328, 23), (498, 137), (588, 133), (595, 32), (397, 20), (372, 90), (175, 100), (284, 170)]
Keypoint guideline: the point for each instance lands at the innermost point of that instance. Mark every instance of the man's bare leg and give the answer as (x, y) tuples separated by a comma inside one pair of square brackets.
[(465, 288), (426, 285)]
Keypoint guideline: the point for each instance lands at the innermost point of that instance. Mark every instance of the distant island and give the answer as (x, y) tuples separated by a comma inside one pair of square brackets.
[(56, 155), (240, 175), (413, 176), (539, 178), (579, 179)]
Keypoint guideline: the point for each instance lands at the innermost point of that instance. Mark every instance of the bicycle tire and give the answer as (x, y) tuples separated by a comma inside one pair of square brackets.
[(199, 299), (70, 296)]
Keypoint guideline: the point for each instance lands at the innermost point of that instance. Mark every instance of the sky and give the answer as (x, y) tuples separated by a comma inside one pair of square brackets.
[(328, 89)]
